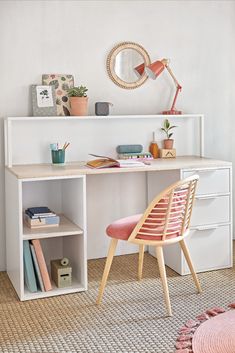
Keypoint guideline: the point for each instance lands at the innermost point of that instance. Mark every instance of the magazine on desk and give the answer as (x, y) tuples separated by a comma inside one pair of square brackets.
[(107, 162)]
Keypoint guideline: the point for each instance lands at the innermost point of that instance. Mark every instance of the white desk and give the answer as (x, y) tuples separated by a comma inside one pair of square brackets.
[(90, 199)]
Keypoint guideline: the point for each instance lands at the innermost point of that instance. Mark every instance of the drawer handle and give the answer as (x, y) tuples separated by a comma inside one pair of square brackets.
[(207, 197), (214, 226), (205, 171)]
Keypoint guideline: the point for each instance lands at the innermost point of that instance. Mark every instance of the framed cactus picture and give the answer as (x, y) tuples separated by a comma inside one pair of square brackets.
[(43, 100), (61, 82)]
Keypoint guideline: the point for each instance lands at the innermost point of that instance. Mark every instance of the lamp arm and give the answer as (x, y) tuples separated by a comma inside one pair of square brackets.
[(173, 76), (178, 86)]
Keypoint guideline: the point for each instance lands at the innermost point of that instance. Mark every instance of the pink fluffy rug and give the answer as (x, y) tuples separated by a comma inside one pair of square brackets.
[(211, 332)]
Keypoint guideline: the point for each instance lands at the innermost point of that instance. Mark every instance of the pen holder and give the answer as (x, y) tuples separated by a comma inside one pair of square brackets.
[(58, 156)]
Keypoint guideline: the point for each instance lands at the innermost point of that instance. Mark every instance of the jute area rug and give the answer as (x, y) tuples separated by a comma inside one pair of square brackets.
[(131, 318)]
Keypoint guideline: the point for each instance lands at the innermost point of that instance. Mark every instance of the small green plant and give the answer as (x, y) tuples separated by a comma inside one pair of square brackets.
[(167, 127), (77, 91)]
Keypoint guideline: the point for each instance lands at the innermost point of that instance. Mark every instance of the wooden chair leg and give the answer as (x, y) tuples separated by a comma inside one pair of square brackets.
[(108, 264), (190, 265), (141, 260), (162, 269)]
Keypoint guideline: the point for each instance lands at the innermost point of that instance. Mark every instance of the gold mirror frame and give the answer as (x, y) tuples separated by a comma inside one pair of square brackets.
[(111, 60)]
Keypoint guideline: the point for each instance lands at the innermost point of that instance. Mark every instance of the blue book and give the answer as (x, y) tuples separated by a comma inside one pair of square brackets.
[(38, 216), (29, 274), (37, 270), (39, 210), (36, 212)]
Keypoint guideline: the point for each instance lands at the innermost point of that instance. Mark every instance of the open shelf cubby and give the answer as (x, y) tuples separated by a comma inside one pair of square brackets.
[(66, 196), (59, 247)]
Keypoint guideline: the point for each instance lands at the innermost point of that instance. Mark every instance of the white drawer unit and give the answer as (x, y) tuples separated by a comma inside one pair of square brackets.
[(210, 248), (210, 239), (211, 209), (212, 181)]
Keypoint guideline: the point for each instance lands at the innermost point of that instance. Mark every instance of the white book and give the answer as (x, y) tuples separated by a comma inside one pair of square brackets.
[(128, 163)]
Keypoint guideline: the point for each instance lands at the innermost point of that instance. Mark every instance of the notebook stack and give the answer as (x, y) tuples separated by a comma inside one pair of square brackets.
[(136, 156), (134, 152), (38, 217)]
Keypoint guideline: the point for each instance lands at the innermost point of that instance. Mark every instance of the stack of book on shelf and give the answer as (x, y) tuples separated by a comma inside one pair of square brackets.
[(36, 276), (142, 156), (38, 217)]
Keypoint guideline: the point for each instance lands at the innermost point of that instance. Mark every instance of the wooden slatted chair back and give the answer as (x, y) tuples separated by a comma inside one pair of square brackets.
[(168, 215)]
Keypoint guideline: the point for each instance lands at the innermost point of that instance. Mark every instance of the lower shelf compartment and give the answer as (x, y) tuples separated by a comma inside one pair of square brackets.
[(71, 247)]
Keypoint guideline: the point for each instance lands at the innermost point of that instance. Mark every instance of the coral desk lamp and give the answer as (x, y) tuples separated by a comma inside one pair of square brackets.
[(154, 70)]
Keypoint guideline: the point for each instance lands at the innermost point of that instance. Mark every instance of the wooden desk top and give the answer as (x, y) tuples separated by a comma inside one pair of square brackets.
[(29, 171)]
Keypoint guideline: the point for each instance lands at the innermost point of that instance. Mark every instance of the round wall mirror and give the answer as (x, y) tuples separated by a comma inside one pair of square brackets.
[(126, 63)]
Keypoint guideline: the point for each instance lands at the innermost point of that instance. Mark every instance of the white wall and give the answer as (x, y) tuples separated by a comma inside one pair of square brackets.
[(75, 37)]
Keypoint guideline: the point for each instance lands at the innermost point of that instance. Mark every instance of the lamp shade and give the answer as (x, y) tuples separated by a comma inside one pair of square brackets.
[(139, 70), (154, 70)]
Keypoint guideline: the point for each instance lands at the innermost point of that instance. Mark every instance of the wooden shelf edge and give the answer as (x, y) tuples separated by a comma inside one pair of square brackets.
[(76, 287), (65, 228)]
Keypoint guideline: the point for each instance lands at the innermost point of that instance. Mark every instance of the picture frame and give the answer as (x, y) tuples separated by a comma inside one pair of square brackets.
[(61, 82), (43, 100)]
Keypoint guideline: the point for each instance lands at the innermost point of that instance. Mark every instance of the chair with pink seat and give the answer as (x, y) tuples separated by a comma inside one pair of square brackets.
[(165, 221)]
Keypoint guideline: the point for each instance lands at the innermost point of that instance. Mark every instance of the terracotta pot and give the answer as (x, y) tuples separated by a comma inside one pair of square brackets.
[(79, 106), (168, 144)]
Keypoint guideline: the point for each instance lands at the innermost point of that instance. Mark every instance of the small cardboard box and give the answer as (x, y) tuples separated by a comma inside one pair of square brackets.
[(168, 153), (60, 274)]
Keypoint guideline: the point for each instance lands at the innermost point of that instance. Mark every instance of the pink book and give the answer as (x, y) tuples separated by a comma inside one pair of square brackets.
[(42, 264)]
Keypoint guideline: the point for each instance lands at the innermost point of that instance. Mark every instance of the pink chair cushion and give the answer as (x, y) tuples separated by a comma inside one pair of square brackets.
[(122, 228)]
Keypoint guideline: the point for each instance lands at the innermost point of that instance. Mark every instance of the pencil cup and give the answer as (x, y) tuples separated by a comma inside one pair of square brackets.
[(58, 156)]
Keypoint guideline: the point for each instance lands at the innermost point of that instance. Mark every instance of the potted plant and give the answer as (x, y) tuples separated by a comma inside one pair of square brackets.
[(78, 100), (167, 127)]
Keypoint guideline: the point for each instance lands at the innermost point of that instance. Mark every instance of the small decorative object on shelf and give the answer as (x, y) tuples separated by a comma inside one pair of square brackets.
[(43, 100), (38, 217), (61, 84), (78, 100), (102, 108), (57, 153), (169, 153), (167, 127), (153, 148), (61, 272), (58, 156)]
